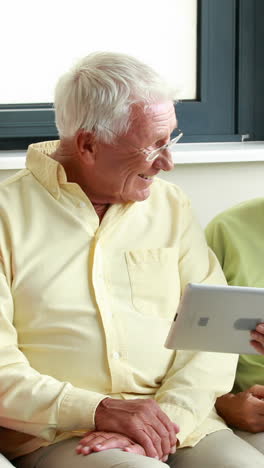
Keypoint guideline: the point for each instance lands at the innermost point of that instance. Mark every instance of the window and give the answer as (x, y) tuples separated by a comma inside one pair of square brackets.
[(218, 103), (100, 26)]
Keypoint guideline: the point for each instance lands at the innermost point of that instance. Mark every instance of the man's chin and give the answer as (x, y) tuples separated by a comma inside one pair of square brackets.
[(141, 195)]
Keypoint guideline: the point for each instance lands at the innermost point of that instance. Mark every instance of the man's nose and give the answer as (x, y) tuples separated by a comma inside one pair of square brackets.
[(164, 162)]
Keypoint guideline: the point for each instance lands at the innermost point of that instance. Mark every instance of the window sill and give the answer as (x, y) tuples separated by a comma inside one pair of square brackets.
[(12, 160), (186, 153), (208, 153)]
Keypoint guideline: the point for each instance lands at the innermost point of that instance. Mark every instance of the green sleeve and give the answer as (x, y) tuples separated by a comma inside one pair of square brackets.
[(216, 240)]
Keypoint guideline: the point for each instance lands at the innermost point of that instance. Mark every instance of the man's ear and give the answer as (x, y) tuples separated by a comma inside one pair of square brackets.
[(86, 145)]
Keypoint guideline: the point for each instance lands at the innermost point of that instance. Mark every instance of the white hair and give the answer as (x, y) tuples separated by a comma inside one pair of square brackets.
[(98, 93)]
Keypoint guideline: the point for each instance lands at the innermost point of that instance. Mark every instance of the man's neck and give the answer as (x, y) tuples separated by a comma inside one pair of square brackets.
[(75, 174), (100, 209)]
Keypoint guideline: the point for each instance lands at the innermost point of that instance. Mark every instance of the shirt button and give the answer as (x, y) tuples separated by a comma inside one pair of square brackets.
[(116, 355), (82, 204)]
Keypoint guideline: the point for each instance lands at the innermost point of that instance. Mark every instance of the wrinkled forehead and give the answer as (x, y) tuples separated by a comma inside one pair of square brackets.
[(160, 115), (164, 109)]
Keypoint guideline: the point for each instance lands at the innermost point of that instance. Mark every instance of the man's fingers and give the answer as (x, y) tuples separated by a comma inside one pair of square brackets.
[(148, 445), (257, 391), (83, 449), (176, 428), (161, 439), (257, 337), (258, 347), (111, 444), (89, 439), (260, 328), (135, 448), (171, 428), (100, 443)]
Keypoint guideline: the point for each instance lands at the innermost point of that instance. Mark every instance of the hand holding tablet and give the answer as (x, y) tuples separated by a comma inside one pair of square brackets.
[(217, 318)]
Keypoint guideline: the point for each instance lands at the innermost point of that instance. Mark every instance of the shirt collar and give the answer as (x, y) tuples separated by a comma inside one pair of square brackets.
[(49, 172)]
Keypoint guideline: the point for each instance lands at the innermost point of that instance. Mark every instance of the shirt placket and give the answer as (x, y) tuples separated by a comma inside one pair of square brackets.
[(113, 348)]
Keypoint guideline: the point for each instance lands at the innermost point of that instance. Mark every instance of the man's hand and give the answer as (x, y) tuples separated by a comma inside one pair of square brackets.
[(245, 410), (257, 338), (141, 421), (98, 441)]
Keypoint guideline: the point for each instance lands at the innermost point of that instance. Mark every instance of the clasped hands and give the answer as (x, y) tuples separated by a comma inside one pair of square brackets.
[(137, 426)]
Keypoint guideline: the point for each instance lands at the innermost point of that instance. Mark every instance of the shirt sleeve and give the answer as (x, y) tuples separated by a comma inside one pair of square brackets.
[(195, 379), (55, 406), (197, 262), (215, 237)]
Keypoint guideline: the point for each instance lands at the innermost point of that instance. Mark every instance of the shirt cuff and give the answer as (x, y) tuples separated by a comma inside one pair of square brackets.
[(77, 410)]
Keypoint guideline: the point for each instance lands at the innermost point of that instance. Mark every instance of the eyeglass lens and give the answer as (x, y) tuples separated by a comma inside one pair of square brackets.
[(154, 154)]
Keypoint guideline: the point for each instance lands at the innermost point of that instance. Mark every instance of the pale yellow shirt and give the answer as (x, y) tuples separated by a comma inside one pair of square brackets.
[(85, 308)]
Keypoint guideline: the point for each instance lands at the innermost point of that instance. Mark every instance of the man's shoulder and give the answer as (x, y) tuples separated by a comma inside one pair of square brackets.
[(11, 186), (246, 211), (14, 179), (162, 187)]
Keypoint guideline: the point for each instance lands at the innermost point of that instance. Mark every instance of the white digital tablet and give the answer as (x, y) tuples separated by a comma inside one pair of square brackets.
[(217, 318)]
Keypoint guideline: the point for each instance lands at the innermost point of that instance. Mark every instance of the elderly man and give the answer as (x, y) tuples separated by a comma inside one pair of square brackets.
[(95, 252)]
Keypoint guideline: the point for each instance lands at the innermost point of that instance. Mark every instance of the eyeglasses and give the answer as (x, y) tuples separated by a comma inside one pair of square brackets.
[(152, 155)]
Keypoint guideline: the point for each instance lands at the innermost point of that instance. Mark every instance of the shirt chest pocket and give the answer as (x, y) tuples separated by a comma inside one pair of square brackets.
[(154, 281)]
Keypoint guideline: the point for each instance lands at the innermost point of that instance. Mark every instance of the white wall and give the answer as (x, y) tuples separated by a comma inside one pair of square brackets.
[(215, 187), (212, 187)]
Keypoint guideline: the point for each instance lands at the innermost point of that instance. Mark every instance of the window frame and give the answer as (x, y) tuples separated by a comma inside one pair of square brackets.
[(251, 74), (212, 117)]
